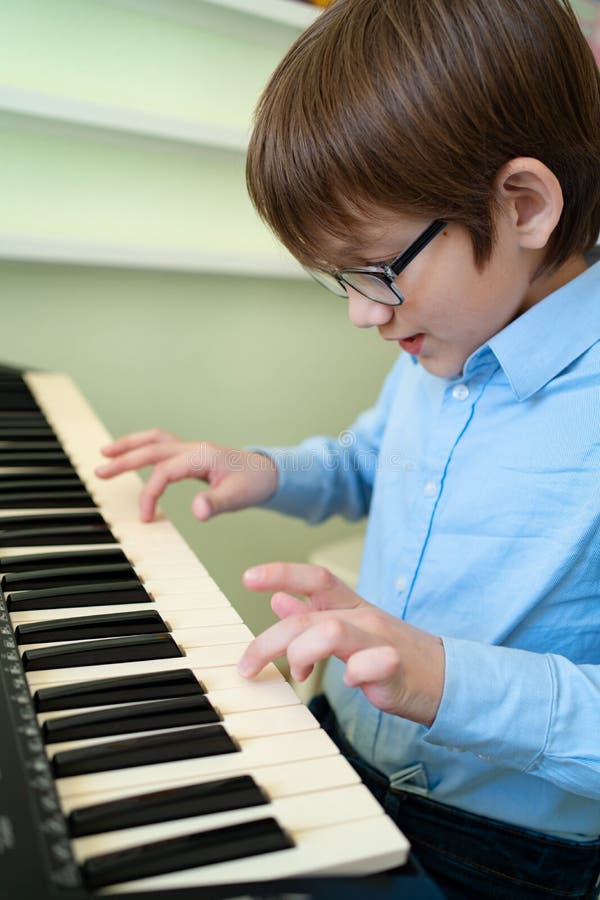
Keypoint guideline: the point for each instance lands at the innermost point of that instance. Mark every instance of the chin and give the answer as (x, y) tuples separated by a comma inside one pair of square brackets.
[(441, 368)]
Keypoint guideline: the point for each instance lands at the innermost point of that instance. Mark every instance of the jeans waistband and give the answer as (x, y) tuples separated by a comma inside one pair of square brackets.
[(485, 856)]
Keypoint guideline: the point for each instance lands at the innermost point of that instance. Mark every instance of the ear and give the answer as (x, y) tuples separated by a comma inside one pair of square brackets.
[(531, 195)]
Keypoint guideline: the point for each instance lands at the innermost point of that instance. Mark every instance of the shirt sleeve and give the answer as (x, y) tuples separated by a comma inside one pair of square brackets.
[(324, 476), (537, 713)]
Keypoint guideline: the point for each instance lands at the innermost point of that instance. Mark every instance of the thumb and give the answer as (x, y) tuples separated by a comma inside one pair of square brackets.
[(227, 495)]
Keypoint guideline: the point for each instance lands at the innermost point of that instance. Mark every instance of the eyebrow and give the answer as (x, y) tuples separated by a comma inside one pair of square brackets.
[(354, 256), (386, 261)]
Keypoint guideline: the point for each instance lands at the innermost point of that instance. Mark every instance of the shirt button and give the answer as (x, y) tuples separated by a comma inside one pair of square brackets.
[(460, 392), (430, 488), (401, 583)]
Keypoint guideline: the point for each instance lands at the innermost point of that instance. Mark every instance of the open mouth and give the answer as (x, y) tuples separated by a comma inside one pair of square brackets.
[(413, 344)]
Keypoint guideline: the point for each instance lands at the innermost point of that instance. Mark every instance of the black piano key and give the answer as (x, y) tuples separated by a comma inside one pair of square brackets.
[(125, 689), (17, 482), (13, 401), (23, 419), (238, 792), (10, 375), (99, 653), (40, 579), (51, 528), (76, 596), (46, 536), (33, 432), (81, 628), (186, 852), (51, 475), (29, 458), (62, 558), (186, 743), (172, 713), (46, 500), (28, 446), (49, 520)]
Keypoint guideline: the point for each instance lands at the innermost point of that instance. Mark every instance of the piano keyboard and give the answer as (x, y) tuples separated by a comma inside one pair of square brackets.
[(151, 762)]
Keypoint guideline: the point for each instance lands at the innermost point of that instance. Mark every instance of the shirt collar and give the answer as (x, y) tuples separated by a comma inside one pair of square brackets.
[(547, 338)]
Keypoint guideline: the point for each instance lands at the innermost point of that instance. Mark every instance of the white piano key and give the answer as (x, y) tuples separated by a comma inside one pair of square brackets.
[(169, 570), (195, 600), (186, 638), (376, 844), (254, 753), (227, 701), (195, 658), (204, 606), (241, 726), (181, 589), (156, 554), (175, 618), (160, 548), (159, 586), (216, 678), (288, 779), (297, 813)]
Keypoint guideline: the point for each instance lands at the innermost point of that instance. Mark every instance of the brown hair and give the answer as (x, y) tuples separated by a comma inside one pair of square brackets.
[(413, 106)]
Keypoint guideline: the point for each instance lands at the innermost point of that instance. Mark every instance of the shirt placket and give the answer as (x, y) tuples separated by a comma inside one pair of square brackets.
[(454, 418)]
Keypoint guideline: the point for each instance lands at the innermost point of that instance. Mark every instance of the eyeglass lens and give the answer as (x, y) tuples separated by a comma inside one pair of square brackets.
[(371, 287), (367, 285)]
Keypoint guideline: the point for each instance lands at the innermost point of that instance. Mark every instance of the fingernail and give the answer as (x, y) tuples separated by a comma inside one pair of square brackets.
[(244, 668), (254, 575), (201, 509)]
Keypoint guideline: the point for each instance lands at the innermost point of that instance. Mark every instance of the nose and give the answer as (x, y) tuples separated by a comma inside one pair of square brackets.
[(365, 313)]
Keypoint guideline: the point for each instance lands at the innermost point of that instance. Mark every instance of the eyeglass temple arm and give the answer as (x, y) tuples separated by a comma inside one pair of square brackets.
[(418, 245)]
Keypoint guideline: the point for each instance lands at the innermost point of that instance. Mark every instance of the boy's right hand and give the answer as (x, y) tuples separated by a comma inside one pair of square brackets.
[(237, 478)]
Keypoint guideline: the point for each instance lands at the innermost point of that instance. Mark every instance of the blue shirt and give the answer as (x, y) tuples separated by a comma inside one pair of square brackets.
[(483, 496)]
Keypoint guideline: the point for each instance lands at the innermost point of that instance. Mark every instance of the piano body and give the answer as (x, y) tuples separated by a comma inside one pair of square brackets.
[(134, 758)]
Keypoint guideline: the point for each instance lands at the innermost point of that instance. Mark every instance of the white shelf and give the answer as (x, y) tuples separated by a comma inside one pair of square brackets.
[(288, 12), (152, 140), (262, 19), (67, 110), (16, 249)]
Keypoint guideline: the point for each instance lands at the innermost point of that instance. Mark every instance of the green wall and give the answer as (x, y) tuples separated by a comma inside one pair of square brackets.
[(233, 360), (123, 212)]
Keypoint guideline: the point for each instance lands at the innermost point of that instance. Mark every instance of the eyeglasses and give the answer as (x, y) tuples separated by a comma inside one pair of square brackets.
[(377, 282)]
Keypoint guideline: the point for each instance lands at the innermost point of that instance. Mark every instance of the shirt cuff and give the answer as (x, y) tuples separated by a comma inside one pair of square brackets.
[(497, 703)]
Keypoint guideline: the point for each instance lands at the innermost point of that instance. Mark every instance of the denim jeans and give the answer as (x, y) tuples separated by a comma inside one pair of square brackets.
[(469, 856)]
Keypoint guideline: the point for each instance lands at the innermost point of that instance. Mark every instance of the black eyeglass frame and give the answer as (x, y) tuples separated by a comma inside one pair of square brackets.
[(386, 273)]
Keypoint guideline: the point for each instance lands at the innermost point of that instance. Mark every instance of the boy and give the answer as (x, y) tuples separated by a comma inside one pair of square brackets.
[(437, 163)]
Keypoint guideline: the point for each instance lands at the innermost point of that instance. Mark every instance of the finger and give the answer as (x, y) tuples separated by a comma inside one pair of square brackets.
[(171, 470), (136, 439), (325, 590), (137, 459), (229, 494), (306, 638), (272, 643), (372, 665), (332, 636), (284, 605)]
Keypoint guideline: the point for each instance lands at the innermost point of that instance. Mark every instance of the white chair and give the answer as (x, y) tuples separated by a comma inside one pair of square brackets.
[(343, 559)]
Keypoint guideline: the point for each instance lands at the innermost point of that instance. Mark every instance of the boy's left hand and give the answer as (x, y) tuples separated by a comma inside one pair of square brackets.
[(399, 668)]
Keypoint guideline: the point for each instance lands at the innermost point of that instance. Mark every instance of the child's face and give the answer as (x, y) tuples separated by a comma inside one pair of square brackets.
[(450, 306)]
